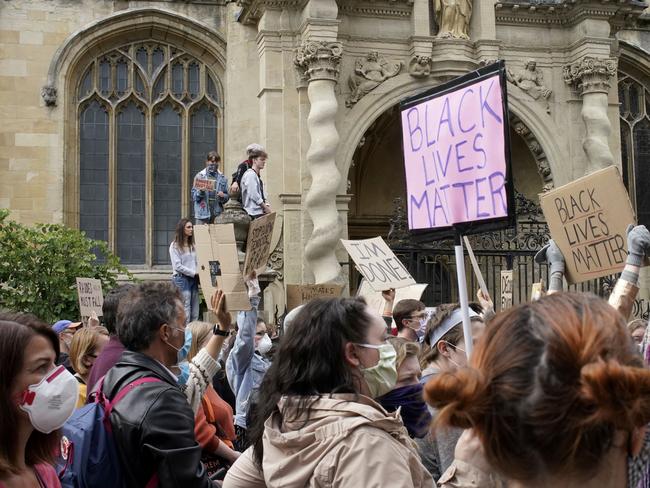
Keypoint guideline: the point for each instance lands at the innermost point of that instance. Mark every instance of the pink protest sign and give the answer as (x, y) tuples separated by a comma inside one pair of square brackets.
[(455, 156)]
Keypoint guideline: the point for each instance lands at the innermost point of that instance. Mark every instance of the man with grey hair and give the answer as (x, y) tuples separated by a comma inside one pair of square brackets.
[(153, 428), (242, 168)]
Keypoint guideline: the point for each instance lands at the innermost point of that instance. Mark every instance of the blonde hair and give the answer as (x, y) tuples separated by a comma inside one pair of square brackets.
[(200, 333), (84, 343), (404, 349)]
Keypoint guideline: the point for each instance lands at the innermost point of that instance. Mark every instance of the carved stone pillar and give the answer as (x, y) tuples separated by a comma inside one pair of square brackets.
[(319, 64), (590, 76)]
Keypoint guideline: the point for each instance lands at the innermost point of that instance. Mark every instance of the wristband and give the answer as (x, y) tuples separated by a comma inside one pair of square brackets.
[(219, 332)]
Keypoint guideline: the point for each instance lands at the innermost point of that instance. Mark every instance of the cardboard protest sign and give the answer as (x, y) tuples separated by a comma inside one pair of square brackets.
[(91, 298), (457, 155), (204, 183), (378, 264), (537, 291), (376, 301), (506, 289), (476, 268), (373, 298), (216, 252), (588, 219), (258, 244), (299, 294)]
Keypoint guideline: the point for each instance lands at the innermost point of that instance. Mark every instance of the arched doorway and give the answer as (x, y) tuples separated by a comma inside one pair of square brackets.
[(377, 183)]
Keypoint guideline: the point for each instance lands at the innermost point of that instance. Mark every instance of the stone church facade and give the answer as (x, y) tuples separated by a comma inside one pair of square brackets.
[(109, 107)]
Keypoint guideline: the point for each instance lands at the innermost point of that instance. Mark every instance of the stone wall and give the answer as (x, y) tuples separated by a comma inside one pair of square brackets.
[(32, 134)]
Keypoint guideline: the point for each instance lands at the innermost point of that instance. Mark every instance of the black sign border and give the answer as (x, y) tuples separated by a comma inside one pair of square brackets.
[(478, 226)]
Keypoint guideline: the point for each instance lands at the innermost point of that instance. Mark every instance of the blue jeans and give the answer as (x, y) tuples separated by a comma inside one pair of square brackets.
[(189, 288)]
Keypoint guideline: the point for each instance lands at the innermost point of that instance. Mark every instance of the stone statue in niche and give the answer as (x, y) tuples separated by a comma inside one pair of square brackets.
[(420, 66), (530, 80), (368, 74), (452, 17)]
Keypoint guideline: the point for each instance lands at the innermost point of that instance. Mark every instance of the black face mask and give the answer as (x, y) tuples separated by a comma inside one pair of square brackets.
[(212, 168), (414, 412)]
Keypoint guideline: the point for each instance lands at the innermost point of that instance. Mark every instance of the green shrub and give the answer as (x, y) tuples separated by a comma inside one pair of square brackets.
[(38, 267)]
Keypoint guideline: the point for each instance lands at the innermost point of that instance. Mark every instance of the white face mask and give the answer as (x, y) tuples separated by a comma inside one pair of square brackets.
[(265, 344), (51, 401), (422, 329)]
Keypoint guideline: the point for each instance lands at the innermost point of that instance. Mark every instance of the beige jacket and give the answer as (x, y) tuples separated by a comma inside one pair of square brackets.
[(348, 441)]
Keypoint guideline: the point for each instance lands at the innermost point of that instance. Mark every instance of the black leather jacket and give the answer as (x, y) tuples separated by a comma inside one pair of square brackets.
[(153, 426)]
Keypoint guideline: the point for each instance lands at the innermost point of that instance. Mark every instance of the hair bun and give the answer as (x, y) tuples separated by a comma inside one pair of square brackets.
[(460, 396), (615, 393)]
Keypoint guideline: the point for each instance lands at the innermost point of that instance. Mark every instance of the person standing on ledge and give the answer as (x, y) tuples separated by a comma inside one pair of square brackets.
[(241, 169), (252, 188), (208, 203)]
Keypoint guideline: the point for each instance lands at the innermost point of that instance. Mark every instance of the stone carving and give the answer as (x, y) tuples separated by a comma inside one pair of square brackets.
[(590, 77), (319, 60), (452, 17), (369, 73), (49, 94), (531, 80), (420, 66), (276, 260), (590, 74), (536, 149)]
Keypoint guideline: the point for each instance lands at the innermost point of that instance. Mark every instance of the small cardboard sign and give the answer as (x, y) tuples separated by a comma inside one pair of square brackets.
[(378, 264), (216, 253), (376, 301), (91, 298), (588, 219), (538, 291), (299, 294), (258, 244), (506, 289), (204, 183)]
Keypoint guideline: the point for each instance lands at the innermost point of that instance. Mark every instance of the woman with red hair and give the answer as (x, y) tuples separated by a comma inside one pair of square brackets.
[(555, 394)]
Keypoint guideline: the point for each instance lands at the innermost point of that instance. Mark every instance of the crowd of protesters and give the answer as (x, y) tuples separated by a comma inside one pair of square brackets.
[(555, 394)]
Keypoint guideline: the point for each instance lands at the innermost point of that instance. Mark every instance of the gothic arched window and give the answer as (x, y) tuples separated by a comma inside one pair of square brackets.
[(148, 114), (634, 109)]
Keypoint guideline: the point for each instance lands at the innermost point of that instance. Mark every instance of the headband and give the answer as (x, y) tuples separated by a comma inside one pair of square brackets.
[(449, 323)]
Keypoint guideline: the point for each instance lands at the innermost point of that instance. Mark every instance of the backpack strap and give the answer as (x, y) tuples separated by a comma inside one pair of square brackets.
[(109, 405)]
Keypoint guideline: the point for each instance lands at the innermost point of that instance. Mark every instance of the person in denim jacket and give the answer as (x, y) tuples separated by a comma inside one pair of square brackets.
[(209, 203)]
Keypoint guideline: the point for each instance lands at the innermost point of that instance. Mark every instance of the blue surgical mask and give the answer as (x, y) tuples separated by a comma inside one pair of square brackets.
[(184, 351), (184, 375)]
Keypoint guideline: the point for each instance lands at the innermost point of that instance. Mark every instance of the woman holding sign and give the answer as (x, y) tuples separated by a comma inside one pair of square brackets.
[(185, 275)]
